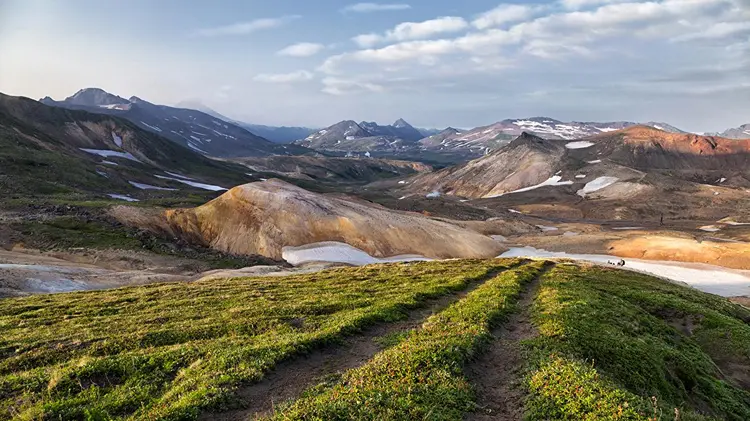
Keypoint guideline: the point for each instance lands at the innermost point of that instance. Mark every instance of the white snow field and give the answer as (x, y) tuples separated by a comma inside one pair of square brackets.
[(203, 186), (334, 251), (123, 197), (552, 181), (106, 153), (117, 139), (596, 185), (581, 144), (708, 278), (143, 186)]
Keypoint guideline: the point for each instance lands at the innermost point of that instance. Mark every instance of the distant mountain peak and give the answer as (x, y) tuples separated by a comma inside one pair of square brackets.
[(401, 123), (95, 97)]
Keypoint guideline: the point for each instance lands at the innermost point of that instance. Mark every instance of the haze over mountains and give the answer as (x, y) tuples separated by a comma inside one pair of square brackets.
[(207, 131)]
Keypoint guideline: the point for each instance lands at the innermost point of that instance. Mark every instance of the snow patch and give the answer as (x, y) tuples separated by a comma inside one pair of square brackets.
[(122, 197), (109, 163), (148, 186), (151, 127), (402, 182), (710, 228), (552, 181), (191, 146), (596, 161), (597, 185), (106, 153), (117, 139), (581, 144), (203, 186), (433, 194), (547, 228), (174, 174), (333, 251), (708, 278), (580, 176)]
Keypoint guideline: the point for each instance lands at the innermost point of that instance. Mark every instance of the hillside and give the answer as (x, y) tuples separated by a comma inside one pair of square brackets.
[(481, 140), (741, 132), (638, 154), (194, 129), (527, 161), (265, 218), (350, 136), (49, 150), (334, 169), (473, 339)]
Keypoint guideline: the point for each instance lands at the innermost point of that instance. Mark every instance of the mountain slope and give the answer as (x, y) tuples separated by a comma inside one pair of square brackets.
[(530, 162), (263, 218), (51, 150), (350, 136), (741, 132), (276, 134), (333, 169), (483, 139), (191, 128), (526, 161)]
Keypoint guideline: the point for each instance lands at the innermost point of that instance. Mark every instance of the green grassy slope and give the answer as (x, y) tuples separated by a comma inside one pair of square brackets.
[(618, 345), (165, 351), (611, 345)]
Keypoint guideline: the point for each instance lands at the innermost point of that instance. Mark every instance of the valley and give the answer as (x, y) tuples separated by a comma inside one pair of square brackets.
[(367, 271)]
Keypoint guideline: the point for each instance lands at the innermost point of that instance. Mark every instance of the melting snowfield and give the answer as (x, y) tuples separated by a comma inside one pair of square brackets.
[(203, 186), (333, 251), (555, 180), (712, 279)]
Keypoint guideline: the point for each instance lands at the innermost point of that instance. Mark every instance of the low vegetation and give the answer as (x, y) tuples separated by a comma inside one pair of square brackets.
[(611, 345), (623, 346), (169, 351), (421, 377)]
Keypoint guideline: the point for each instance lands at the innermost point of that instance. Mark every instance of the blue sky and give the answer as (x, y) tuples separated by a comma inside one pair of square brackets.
[(435, 63)]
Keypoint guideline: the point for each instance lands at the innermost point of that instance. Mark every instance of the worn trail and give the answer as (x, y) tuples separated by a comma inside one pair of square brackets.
[(497, 373), (290, 378)]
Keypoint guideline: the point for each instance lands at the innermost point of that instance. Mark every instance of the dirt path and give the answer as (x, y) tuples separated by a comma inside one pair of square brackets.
[(290, 378), (496, 374)]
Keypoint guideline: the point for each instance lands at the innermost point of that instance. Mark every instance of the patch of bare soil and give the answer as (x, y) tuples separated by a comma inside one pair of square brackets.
[(290, 378), (745, 301), (497, 373)]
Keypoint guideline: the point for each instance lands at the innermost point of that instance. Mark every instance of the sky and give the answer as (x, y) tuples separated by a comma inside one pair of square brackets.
[(435, 63)]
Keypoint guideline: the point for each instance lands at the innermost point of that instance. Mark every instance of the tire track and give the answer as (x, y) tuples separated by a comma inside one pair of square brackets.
[(497, 374), (292, 377)]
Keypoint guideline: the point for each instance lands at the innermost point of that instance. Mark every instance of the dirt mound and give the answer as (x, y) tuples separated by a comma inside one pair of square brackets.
[(731, 255), (262, 218)]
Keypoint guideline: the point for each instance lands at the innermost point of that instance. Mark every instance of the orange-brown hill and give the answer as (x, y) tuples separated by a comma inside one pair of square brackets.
[(263, 217)]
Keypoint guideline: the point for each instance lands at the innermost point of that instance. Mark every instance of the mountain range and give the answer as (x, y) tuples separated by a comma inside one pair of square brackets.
[(194, 129), (400, 136), (647, 168), (52, 150), (350, 136)]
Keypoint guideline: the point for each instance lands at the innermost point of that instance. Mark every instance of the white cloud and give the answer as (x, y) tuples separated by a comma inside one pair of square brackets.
[(293, 77), (582, 4), (717, 31), (244, 28), (374, 7), (553, 36), (414, 30), (339, 86), (505, 13), (302, 49)]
